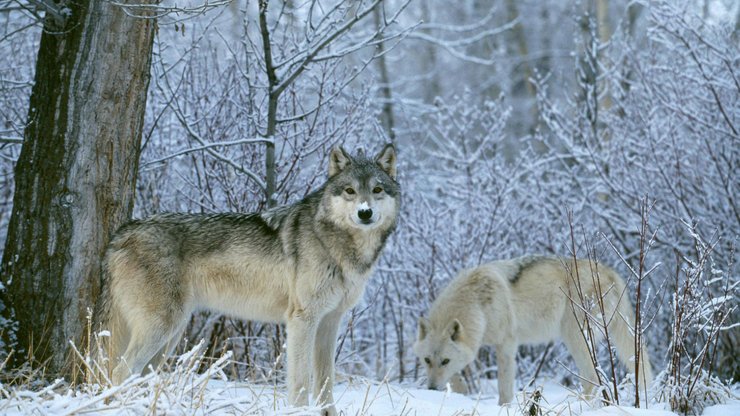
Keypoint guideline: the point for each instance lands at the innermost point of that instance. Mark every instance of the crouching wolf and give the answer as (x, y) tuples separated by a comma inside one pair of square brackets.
[(525, 300), (304, 264)]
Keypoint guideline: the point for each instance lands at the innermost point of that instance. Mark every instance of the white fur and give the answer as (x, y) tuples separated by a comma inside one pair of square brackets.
[(482, 307)]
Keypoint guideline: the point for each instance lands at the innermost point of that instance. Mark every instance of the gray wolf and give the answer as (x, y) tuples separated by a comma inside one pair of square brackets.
[(525, 300), (304, 265)]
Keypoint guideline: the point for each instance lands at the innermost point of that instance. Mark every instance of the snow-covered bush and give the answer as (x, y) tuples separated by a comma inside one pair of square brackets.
[(702, 305)]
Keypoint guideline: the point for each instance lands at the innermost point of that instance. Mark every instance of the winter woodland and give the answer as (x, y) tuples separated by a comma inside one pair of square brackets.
[(607, 130)]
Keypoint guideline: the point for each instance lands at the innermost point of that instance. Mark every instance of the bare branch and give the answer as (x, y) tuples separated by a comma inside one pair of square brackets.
[(207, 146), (149, 11), (11, 139), (289, 78)]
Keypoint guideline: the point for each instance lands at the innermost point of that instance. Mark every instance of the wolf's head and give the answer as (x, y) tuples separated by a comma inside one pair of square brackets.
[(363, 192), (443, 351)]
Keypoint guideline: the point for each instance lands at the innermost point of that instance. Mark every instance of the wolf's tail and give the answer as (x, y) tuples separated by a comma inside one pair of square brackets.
[(108, 333), (101, 313), (622, 334)]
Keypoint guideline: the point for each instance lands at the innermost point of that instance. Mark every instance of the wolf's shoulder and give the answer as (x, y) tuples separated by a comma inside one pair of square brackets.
[(511, 270), (275, 217), (477, 285)]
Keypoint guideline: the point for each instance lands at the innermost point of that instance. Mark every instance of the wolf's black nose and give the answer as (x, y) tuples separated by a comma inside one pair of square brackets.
[(365, 214)]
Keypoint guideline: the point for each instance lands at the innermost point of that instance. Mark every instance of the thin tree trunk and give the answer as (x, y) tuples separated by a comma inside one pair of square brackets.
[(385, 87), (75, 177), (604, 33), (430, 66), (523, 70), (272, 104)]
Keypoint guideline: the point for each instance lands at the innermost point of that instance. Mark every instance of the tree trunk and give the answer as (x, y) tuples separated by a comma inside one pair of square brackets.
[(385, 84), (604, 33), (430, 65), (522, 72), (75, 177), (272, 107)]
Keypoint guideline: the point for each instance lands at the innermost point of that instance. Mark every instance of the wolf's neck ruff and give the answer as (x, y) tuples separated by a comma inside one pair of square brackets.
[(359, 249), (350, 246)]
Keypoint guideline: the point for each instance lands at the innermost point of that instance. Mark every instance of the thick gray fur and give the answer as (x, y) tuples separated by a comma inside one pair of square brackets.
[(304, 264)]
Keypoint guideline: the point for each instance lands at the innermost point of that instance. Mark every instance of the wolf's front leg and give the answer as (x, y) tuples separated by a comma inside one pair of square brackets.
[(325, 347), (506, 358), (301, 328)]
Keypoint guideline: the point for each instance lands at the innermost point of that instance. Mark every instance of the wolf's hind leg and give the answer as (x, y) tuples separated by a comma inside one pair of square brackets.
[(622, 333), (167, 349), (109, 349), (576, 344), (144, 344)]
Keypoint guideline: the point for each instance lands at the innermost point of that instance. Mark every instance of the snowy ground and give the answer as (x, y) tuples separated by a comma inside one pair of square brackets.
[(184, 391), (144, 396)]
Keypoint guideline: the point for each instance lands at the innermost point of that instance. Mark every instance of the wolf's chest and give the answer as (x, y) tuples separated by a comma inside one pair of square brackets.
[(350, 289)]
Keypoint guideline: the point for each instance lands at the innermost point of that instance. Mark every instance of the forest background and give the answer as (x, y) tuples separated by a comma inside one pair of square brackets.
[(601, 129)]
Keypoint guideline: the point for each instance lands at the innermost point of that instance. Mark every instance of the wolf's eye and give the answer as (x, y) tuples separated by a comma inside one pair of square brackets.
[(349, 191), (445, 361), (428, 361), (377, 190)]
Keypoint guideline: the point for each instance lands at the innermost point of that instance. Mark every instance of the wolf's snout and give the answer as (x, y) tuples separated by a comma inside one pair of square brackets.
[(365, 214), (432, 386)]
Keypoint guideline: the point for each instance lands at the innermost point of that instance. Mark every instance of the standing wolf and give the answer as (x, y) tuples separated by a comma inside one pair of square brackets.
[(525, 300), (304, 264)]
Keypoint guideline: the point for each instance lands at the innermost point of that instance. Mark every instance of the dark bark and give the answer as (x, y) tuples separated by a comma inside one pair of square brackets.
[(75, 176), (272, 106)]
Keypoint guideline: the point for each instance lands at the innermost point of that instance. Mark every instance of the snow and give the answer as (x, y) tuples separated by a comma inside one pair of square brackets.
[(622, 411), (723, 409), (187, 394), (184, 390), (513, 200)]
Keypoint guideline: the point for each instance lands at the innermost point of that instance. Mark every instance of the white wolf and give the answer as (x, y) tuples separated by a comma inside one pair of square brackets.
[(525, 300), (304, 264)]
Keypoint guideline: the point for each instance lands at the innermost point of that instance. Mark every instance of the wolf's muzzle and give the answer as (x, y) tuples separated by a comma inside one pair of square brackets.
[(365, 215)]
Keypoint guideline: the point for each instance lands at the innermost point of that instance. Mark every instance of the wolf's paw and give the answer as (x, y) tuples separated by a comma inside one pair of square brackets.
[(329, 411), (120, 374), (458, 385)]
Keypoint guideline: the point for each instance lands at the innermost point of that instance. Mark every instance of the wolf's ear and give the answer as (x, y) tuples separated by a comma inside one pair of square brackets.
[(339, 159), (423, 328), (455, 330), (386, 159)]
